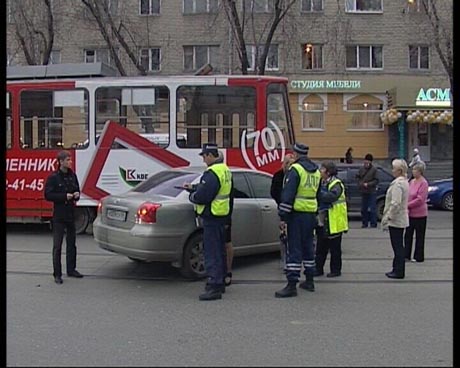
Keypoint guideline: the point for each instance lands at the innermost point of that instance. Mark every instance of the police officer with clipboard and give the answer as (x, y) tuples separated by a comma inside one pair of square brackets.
[(212, 204)]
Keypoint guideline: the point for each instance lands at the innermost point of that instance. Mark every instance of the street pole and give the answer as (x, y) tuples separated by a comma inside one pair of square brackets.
[(401, 130)]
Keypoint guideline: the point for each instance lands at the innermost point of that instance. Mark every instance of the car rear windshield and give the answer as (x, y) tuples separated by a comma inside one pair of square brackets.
[(164, 183)]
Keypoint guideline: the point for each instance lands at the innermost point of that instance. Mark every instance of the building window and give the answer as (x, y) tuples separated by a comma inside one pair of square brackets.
[(312, 110), (9, 59), (150, 59), (98, 56), (111, 5), (364, 57), (149, 7), (312, 5), (353, 6), (259, 6), (312, 56), (55, 57), (272, 56), (416, 6), (197, 56), (365, 113), (10, 10), (200, 6), (419, 57)]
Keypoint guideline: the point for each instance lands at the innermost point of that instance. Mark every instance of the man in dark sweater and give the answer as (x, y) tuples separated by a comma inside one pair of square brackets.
[(367, 184), (278, 177), (63, 190)]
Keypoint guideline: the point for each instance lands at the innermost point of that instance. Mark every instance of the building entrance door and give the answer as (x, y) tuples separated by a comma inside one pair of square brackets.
[(420, 137)]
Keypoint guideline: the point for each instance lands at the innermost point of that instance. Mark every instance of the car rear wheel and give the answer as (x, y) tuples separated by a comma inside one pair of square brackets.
[(380, 207), (447, 202), (193, 258)]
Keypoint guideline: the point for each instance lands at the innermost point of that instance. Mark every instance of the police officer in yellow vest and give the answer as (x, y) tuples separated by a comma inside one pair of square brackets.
[(332, 220), (212, 203), (297, 209)]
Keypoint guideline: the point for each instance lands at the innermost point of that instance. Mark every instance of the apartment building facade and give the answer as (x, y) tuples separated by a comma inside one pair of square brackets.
[(362, 73)]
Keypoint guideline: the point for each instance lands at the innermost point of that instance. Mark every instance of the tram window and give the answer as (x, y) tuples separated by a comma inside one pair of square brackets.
[(8, 121), (143, 110), (277, 119), (53, 119), (217, 114)]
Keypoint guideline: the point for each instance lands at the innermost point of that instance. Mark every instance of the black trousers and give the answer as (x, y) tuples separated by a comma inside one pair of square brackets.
[(417, 224), (397, 243), (59, 228), (323, 246)]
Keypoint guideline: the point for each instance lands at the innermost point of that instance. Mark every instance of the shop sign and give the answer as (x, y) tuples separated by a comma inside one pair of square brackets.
[(325, 84), (437, 97)]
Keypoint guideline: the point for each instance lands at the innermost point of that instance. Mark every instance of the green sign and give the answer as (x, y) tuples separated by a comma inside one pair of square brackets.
[(310, 84), (433, 97)]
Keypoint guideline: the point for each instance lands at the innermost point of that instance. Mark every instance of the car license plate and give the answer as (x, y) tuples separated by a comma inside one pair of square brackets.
[(116, 215)]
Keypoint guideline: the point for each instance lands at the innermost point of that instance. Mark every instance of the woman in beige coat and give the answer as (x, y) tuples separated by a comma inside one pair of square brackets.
[(395, 216)]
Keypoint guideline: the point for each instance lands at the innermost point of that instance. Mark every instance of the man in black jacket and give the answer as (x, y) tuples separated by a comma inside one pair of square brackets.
[(63, 190), (278, 178), (367, 184)]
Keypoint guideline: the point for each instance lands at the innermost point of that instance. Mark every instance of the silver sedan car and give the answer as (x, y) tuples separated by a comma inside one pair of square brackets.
[(156, 222)]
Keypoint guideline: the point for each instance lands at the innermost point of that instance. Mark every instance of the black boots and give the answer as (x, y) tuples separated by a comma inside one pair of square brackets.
[(212, 292), (308, 283), (289, 290), (394, 275), (75, 273), (209, 287)]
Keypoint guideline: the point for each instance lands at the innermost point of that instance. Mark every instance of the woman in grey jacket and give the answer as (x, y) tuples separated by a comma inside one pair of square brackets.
[(395, 216)]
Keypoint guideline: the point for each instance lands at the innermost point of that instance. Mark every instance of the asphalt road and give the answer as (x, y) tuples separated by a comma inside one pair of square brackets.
[(126, 314)]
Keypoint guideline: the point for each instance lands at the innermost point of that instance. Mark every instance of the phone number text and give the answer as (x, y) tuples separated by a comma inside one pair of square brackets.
[(23, 184)]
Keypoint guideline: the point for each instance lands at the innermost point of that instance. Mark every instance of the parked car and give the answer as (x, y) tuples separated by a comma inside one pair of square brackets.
[(441, 195), (347, 173), (155, 221)]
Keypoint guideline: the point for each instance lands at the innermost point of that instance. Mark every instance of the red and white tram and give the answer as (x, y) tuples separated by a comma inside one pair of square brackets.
[(120, 130)]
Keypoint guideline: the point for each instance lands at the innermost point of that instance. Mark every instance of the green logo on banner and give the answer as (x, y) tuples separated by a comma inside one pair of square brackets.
[(131, 177)]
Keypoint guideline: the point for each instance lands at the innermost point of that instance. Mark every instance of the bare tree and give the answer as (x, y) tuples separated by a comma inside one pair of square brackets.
[(261, 33), (338, 32), (115, 32), (34, 29), (440, 20)]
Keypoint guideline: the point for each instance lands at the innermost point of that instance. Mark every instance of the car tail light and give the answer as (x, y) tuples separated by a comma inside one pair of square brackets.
[(147, 213), (99, 208)]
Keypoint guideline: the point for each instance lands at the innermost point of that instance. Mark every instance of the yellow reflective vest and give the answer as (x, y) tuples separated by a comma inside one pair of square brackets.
[(220, 206), (337, 214), (305, 199)]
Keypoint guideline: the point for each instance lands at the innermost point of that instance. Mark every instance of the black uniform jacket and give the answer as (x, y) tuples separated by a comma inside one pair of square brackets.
[(277, 186), (57, 186)]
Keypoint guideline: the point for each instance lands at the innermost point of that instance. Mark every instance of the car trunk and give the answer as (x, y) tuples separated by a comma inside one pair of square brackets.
[(120, 211)]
